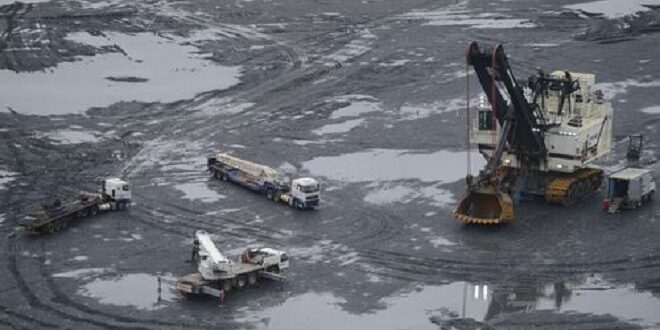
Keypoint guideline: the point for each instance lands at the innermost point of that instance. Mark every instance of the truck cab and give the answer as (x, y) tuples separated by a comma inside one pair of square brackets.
[(117, 189), (306, 191)]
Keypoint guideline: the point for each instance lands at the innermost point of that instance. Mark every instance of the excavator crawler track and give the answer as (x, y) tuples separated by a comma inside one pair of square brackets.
[(570, 189)]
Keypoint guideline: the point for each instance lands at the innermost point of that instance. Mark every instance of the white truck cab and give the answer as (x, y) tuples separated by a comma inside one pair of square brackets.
[(305, 189), (117, 189)]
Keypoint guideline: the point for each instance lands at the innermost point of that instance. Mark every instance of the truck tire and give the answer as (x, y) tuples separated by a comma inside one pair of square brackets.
[(251, 279), (50, 228), (270, 194), (224, 176), (241, 281), (94, 210)]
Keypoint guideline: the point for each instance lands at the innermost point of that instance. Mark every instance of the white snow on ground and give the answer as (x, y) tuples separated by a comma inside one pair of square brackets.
[(83, 273), (69, 136), (652, 110), (389, 194), (419, 111), (74, 87), (614, 8), (6, 177), (359, 104), (614, 89), (9, 2), (392, 164), (198, 191), (79, 258), (343, 127), (353, 49), (459, 15)]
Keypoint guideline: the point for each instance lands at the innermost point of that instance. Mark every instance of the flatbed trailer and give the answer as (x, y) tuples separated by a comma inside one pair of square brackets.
[(302, 193), (195, 284), (55, 215)]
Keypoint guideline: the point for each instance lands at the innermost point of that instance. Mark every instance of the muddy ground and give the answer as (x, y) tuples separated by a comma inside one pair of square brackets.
[(369, 97)]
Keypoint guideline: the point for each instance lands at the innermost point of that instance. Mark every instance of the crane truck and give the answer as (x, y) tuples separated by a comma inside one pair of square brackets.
[(302, 193), (115, 194), (217, 274), (541, 146)]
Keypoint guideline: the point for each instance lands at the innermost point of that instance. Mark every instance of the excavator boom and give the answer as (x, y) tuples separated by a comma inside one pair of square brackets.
[(487, 200)]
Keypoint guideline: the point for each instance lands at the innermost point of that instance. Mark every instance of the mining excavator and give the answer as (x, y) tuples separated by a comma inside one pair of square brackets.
[(538, 143)]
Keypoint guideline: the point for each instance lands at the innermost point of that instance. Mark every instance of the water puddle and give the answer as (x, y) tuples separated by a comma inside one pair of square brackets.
[(391, 164), (597, 296), (199, 191), (135, 290), (153, 69), (344, 127), (613, 8), (426, 307), (410, 310)]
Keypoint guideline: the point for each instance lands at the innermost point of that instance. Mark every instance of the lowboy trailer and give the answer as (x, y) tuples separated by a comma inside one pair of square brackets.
[(115, 194), (302, 193)]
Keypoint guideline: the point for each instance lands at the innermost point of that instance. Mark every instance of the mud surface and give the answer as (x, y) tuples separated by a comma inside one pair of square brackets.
[(368, 96)]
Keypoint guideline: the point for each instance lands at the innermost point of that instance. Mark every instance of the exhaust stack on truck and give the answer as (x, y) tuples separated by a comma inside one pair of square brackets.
[(301, 193)]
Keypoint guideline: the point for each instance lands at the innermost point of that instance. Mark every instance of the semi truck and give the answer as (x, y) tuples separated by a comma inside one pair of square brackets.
[(216, 274), (301, 193), (114, 194), (628, 189)]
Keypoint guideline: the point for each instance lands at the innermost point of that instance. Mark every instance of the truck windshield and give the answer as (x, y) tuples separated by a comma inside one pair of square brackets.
[(125, 188), (310, 188)]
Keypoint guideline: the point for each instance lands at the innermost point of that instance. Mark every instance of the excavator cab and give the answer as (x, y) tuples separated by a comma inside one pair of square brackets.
[(485, 205)]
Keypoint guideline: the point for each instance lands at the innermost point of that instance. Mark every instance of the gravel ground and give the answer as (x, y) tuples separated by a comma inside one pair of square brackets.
[(369, 97)]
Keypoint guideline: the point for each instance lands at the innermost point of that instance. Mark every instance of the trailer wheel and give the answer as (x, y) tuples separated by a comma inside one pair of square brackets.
[(58, 226), (226, 285), (273, 269), (94, 210), (50, 227), (252, 279), (270, 194), (291, 202), (224, 176), (241, 281)]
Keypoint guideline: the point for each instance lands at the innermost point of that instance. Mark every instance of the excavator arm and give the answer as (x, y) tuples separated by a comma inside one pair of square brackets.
[(521, 132)]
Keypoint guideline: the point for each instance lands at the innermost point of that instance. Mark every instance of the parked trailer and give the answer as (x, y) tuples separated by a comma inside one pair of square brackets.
[(302, 193), (115, 194), (218, 275), (629, 189)]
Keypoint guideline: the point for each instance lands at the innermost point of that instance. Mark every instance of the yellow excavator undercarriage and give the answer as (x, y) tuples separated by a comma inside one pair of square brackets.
[(487, 204)]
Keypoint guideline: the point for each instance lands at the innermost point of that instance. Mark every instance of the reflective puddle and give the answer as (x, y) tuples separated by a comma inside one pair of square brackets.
[(199, 191), (145, 72), (390, 164), (135, 290), (460, 300)]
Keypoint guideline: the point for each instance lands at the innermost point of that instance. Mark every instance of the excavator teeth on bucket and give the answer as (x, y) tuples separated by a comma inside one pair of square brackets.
[(485, 205)]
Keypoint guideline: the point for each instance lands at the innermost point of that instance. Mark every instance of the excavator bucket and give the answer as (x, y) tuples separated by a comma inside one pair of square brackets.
[(485, 205)]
